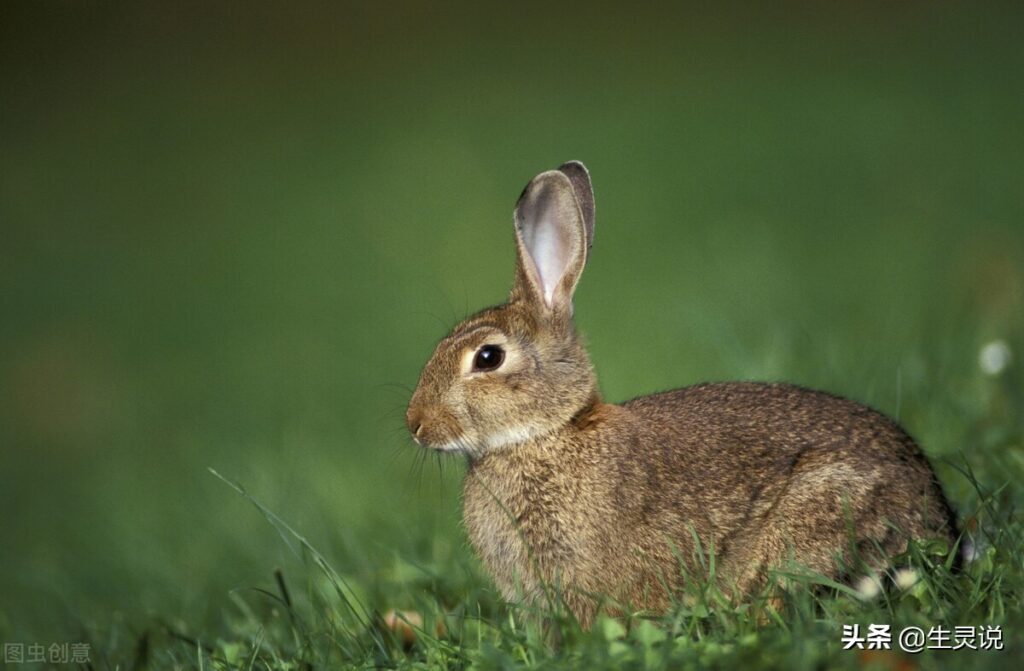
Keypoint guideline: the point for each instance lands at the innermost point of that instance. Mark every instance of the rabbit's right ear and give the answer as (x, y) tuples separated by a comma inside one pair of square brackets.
[(584, 190), (551, 240)]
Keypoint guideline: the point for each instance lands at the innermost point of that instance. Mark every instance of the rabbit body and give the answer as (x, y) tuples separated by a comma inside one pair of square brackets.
[(567, 493), (760, 473)]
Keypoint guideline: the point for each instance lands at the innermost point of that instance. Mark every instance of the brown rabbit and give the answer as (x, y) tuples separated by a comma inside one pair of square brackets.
[(603, 500)]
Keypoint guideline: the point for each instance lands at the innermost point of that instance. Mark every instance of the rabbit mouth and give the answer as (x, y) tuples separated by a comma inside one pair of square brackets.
[(463, 444), (458, 445), (441, 436), (438, 429)]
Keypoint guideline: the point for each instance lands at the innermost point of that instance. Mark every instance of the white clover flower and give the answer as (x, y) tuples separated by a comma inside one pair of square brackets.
[(905, 578), (970, 551), (868, 587), (994, 357)]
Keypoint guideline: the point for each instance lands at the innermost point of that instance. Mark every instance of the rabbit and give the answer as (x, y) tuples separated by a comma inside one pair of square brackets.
[(604, 501)]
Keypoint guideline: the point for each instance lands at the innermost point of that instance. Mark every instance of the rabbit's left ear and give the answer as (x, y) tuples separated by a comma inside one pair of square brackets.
[(551, 239)]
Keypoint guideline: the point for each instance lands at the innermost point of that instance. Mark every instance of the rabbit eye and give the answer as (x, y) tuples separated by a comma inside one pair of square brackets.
[(488, 357)]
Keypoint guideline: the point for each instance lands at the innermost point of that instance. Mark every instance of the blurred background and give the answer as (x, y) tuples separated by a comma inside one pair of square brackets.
[(231, 235)]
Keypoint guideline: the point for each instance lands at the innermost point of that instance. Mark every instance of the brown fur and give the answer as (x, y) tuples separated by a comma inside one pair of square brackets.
[(601, 500)]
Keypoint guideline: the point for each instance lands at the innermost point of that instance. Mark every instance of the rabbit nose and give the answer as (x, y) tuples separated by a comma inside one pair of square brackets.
[(414, 422)]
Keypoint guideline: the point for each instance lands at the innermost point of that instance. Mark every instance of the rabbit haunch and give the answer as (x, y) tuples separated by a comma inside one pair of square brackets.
[(604, 500)]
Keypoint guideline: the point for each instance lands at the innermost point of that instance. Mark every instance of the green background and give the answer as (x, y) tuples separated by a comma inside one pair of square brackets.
[(232, 235)]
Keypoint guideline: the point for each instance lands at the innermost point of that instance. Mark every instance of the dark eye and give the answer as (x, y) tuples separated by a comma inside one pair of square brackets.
[(488, 357)]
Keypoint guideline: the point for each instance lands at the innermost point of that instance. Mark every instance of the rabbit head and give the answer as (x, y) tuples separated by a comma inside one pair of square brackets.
[(518, 370)]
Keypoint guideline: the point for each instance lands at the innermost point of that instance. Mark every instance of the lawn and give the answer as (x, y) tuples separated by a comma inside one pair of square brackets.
[(231, 239)]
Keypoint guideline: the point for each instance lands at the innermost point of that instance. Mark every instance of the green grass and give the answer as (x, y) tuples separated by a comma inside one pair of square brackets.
[(230, 241), (331, 623)]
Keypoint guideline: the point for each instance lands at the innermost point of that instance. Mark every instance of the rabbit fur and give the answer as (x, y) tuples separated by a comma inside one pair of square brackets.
[(609, 503)]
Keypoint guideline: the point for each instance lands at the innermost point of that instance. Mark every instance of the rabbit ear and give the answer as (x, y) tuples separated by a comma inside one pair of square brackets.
[(551, 239), (581, 186)]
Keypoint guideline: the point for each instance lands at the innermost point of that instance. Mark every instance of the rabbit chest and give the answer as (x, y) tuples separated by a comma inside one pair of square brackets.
[(531, 518)]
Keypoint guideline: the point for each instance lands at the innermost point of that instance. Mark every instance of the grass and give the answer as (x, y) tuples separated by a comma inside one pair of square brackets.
[(332, 623), (230, 242)]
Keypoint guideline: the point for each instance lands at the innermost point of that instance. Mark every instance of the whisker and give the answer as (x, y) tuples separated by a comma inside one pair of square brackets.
[(394, 385)]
